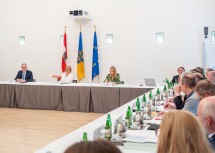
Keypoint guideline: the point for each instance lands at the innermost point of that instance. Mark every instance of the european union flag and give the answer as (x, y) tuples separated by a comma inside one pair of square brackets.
[(95, 63), (80, 60)]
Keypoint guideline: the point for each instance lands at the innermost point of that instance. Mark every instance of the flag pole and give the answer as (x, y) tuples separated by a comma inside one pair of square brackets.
[(65, 28), (79, 38)]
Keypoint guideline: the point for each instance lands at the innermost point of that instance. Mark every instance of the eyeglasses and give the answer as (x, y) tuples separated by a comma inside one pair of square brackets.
[(23, 67), (157, 132)]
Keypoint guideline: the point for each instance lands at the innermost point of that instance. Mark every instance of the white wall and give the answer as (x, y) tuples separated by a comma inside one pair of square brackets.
[(133, 24)]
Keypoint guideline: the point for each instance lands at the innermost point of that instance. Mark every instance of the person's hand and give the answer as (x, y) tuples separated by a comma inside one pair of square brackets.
[(18, 80), (54, 76), (159, 114), (177, 89), (169, 106), (166, 105), (106, 81), (22, 81)]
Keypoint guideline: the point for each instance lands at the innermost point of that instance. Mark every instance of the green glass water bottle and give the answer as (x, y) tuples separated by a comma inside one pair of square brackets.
[(169, 85), (108, 117), (150, 95), (108, 128), (110, 123), (85, 136), (158, 91), (127, 119), (167, 81), (138, 104), (144, 98), (130, 112), (164, 89)]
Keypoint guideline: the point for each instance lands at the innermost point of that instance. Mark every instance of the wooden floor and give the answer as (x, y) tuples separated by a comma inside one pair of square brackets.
[(25, 131)]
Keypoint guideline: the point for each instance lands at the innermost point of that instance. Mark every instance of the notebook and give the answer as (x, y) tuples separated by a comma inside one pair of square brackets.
[(135, 138), (150, 82)]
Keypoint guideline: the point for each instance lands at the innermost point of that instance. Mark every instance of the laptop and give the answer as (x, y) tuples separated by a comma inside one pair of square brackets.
[(150, 82)]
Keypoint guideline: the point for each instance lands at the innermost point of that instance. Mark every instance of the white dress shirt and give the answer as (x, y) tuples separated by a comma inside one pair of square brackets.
[(210, 135), (66, 79)]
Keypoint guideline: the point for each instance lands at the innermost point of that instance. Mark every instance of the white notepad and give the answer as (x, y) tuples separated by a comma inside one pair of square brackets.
[(135, 138)]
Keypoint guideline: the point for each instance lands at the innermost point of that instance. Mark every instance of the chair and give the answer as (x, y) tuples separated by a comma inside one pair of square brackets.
[(74, 81), (121, 82)]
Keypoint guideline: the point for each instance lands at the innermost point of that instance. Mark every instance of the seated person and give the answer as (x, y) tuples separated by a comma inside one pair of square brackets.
[(65, 77), (175, 78), (205, 88), (208, 70), (194, 71), (198, 77), (113, 76), (98, 146), (207, 117), (211, 76), (191, 100), (181, 132), (24, 75), (201, 70)]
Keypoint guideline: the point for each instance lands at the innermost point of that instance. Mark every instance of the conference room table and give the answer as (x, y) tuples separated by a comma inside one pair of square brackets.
[(73, 97), (150, 145)]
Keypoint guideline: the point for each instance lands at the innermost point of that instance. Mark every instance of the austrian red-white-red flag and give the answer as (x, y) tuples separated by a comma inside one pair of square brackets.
[(64, 57)]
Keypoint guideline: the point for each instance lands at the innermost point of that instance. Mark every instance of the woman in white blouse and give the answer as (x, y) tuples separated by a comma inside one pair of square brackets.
[(65, 77)]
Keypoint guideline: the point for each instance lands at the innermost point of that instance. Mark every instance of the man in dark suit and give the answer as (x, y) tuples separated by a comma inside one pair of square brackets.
[(175, 78), (24, 75), (207, 117)]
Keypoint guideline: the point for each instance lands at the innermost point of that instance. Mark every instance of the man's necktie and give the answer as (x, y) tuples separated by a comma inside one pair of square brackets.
[(23, 76)]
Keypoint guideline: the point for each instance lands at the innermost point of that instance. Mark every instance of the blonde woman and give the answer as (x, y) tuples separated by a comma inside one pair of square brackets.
[(113, 76), (65, 77), (181, 132)]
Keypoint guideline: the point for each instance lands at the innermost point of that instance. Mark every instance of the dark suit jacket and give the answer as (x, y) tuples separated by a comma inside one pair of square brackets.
[(175, 79), (28, 76), (179, 103), (212, 142)]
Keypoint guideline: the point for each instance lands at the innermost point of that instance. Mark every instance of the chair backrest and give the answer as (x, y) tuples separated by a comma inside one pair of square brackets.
[(121, 82), (34, 80), (74, 81)]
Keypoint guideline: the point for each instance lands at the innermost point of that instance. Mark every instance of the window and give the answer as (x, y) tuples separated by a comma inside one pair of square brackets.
[(21, 40), (213, 36), (109, 38), (159, 37)]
